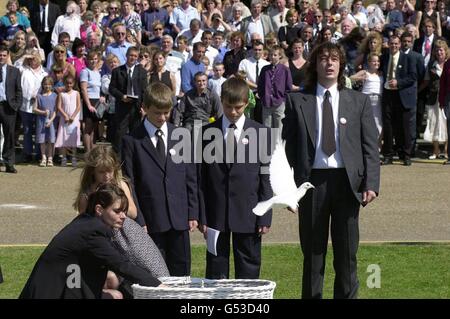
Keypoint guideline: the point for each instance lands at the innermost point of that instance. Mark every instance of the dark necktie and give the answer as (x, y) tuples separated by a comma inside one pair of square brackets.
[(257, 71), (1, 73), (231, 140), (43, 20), (129, 84), (160, 146), (328, 140)]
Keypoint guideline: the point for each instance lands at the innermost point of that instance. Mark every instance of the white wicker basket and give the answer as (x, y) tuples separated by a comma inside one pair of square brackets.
[(197, 288)]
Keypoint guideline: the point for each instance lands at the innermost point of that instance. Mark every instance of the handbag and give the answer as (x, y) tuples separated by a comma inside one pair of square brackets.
[(100, 109)]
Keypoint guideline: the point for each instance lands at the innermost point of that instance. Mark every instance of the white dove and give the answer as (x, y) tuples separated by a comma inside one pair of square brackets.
[(283, 185)]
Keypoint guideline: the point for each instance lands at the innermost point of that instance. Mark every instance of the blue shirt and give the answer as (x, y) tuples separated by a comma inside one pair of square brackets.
[(2, 84), (182, 18), (219, 57), (94, 82), (119, 50), (189, 69), (21, 20)]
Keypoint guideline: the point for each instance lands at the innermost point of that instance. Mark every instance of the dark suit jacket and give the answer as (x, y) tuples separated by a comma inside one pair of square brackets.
[(417, 60), (118, 85), (358, 139), (13, 87), (266, 23), (395, 20), (166, 195), (418, 44), (406, 76), (53, 13), (228, 194), (85, 242)]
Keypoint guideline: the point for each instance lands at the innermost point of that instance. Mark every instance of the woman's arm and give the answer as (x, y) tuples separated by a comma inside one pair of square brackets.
[(438, 24), (84, 93), (173, 80), (132, 210), (78, 109)]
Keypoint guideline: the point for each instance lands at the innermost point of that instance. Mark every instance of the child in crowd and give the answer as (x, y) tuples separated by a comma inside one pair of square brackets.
[(183, 48), (46, 113), (69, 106), (215, 83), (372, 82), (249, 110), (58, 78), (208, 69), (7, 33)]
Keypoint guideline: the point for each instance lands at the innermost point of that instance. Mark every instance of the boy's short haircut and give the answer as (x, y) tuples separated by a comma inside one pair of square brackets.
[(219, 34), (218, 64), (277, 48), (199, 74), (234, 91), (158, 95), (182, 38), (132, 49), (57, 68)]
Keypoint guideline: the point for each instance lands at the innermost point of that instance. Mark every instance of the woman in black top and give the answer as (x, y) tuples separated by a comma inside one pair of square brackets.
[(288, 33), (297, 65), (159, 72), (75, 263), (233, 57)]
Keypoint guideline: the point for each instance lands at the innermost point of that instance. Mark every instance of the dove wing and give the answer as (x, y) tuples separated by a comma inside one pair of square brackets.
[(281, 174)]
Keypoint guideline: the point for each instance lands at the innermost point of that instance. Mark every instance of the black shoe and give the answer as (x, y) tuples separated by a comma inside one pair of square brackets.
[(386, 161), (11, 169), (407, 162)]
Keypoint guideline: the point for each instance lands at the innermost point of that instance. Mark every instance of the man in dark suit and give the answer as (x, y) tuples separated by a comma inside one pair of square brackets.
[(232, 183), (165, 189), (425, 47), (128, 83), (331, 142), (10, 101), (43, 18), (417, 60), (75, 263), (399, 103)]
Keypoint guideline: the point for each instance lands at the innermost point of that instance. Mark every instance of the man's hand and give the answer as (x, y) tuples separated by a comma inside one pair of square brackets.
[(193, 224), (203, 230), (125, 99), (368, 196), (393, 84), (262, 230)]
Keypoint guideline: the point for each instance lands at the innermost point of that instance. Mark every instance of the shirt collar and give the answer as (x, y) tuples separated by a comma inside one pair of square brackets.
[(130, 67), (151, 129), (239, 124), (320, 90)]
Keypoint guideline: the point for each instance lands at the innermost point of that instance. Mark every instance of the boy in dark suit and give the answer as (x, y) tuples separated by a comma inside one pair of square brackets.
[(165, 192), (232, 185)]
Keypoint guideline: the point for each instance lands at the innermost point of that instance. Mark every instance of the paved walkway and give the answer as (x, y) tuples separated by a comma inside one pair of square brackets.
[(413, 206)]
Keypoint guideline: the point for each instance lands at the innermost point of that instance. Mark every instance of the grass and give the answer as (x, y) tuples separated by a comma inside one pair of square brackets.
[(407, 271)]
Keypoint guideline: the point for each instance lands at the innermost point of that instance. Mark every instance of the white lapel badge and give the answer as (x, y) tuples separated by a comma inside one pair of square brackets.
[(245, 141), (172, 152), (343, 120)]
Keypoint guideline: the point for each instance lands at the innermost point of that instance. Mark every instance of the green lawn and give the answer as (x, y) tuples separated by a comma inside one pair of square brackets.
[(407, 271)]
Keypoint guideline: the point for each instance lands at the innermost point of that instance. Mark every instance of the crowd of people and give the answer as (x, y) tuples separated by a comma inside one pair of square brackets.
[(396, 52), (130, 72)]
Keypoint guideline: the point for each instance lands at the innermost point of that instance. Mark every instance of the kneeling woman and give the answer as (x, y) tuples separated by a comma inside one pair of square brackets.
[(75, 263)]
